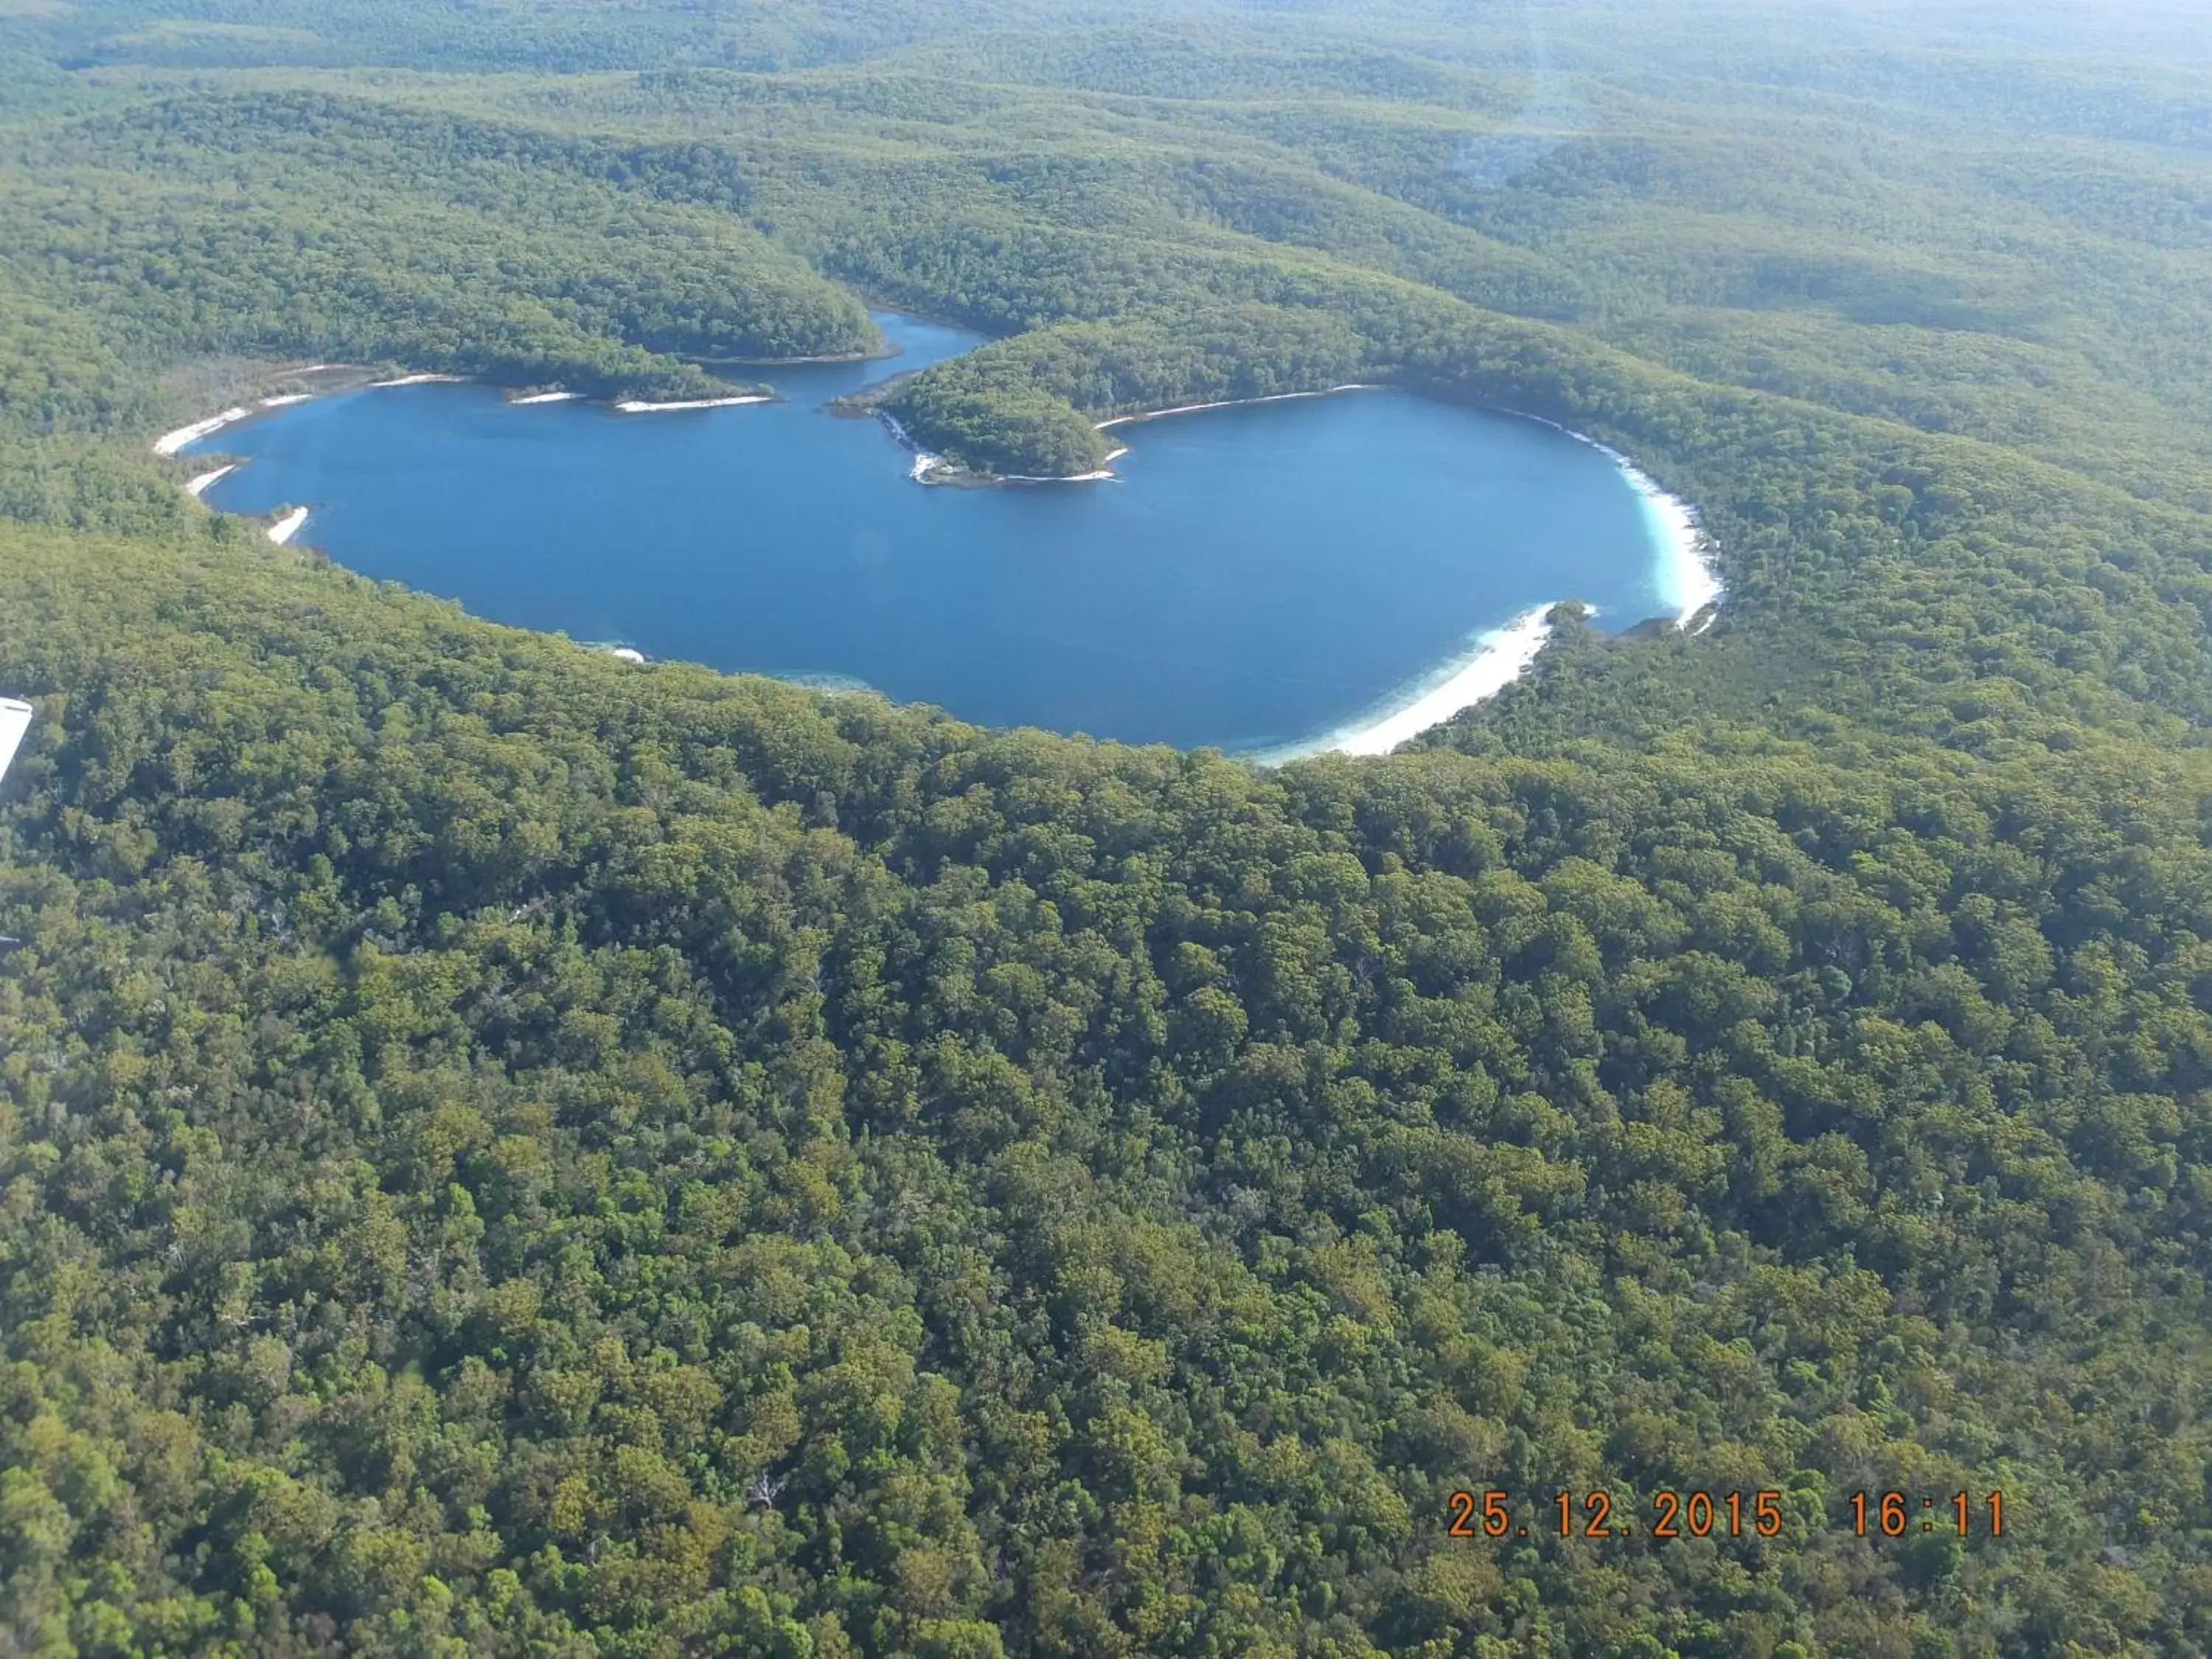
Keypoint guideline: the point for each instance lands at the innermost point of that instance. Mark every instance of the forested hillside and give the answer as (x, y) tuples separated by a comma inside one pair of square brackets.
[(506, 1151)]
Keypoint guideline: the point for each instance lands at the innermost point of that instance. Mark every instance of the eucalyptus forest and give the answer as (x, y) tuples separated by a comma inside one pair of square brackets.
[(505, 1151)]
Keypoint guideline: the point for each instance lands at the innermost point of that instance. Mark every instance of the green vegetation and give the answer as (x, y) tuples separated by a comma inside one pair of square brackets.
[(311, 225), (504, 1152)]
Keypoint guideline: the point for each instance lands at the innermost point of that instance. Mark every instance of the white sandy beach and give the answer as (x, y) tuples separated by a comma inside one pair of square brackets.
[(417, 379), (287, 527), (1684, 577), (1104, 475), (206, 481), (546, 397), (170, 442), (632, 406), (1501, 656), (1229, 403), (1687, 578)]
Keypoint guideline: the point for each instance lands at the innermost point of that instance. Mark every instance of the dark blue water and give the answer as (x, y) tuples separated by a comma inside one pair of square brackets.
[(1257, 576)]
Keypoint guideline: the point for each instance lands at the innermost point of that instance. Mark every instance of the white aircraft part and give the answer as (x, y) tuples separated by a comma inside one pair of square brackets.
[(14, 720)]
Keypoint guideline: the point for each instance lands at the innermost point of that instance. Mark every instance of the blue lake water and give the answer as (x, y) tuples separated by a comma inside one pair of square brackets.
[(1255, 577)]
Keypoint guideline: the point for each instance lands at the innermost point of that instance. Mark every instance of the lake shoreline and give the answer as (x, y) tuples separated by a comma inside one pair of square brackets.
[(1233, 402), (640, 406), (826, 360), (1500, 656), (1685, 576), (354, 377), (935, 470), (931, 468), (170, 444), (1680, 567), (1688, 578)]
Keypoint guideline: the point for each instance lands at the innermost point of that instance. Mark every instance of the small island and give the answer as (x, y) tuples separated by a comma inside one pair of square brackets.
[(967, 428), (1039, 407)]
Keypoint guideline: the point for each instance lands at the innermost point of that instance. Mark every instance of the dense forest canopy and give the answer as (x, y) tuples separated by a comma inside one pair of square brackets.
[(501, 1151)]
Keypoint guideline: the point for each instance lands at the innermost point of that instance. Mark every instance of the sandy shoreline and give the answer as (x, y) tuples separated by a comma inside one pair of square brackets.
[(637, 406), (200, 485), (287, 527), (1500, 656), (170, 443), (1231, 403), (1104, 474), (173, 443), (1687, 578)]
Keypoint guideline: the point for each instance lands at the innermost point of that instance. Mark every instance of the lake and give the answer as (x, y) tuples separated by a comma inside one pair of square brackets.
[(1261, 579)]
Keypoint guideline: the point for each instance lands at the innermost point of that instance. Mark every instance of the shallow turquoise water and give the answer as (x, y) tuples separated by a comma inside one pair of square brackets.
[(1257, 576)]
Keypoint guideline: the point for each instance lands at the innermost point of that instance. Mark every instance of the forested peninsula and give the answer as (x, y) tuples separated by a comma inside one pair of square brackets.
[(504, 1150)]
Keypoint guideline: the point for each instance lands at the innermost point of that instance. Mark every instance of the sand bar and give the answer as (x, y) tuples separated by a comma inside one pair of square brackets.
[(206, 481), (287, 527)]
